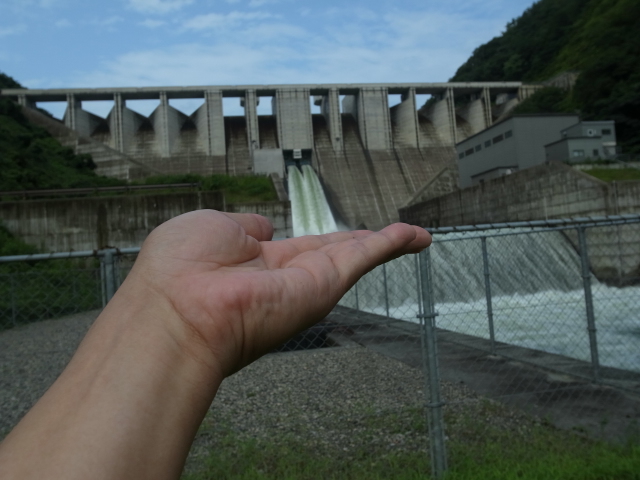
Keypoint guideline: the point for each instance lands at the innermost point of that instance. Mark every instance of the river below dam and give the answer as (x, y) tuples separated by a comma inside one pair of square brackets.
[(538, 300)]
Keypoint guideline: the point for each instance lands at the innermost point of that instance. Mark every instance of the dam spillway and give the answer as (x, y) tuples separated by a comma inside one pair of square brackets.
[(371, 157), (310, 211)]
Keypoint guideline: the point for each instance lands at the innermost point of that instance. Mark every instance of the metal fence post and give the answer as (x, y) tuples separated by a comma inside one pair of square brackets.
[(107, 262), (13, 300), (357, 299), (431, 371), (487, 290), (588, 299), (386, 288)]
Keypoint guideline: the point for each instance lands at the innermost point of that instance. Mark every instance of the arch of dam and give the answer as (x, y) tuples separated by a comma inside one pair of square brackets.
[(371, 158)]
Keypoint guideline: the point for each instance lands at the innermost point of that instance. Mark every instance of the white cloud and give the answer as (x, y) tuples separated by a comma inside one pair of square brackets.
[(150, 23), (261, 48), (223, 21), (108, 21), (62, 23), (158, 6), (259, 3), (13, 30)]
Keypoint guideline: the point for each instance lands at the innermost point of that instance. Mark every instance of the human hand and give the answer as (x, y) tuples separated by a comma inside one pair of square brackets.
[(208, 294), (242, 294)]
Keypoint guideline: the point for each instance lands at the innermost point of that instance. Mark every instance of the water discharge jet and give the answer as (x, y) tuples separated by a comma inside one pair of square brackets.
[(310, 210)]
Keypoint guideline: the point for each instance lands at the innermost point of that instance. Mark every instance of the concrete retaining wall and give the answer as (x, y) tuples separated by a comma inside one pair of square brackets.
[(61, 225), (547, 191), (544, 192)]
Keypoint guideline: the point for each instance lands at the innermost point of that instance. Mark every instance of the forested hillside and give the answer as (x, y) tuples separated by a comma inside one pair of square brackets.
[(30, 158), (598, 38)]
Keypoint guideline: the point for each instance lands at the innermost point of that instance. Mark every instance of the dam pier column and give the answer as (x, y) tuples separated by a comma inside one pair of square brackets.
[(373, 117), (405, 118), (166, 123), (123, 124), (71, 114), (116, 125), (443, 117), (251, 117), (475, 112), (488, 114), (293, 116), (525, 91), (211, 123), (25, 101), (75, 118), (330, 109)]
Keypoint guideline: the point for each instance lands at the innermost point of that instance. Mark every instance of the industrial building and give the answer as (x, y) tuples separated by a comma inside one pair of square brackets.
[(584, 141), (513, 144), (523, 141)]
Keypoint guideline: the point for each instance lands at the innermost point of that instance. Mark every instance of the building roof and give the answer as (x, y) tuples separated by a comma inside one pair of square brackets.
[(519, 115)]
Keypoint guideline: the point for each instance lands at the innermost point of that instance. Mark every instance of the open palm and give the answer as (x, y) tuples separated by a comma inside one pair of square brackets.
[(243, 293)]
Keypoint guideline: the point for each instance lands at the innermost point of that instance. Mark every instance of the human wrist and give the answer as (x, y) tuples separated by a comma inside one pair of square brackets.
[(140, 307)]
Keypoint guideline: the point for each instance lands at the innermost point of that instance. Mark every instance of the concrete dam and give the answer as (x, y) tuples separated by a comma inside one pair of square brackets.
[(371, 158)]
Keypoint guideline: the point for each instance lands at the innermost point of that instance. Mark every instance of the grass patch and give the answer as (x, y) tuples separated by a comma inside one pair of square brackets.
[(241, 189), (544, 453), (544, 457), (250, 459), (614, 174)]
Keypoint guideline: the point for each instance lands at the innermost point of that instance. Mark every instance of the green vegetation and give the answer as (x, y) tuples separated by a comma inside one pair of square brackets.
[(35, 290), (10, 245), (545, 454), (614, 174), (485, 440), (243, 189), (49, 289), (598, 38), (31, 159), (547, 100)]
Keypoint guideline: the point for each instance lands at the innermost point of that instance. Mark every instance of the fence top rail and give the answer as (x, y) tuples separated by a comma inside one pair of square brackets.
[(91, 190), (552, 223), (540, 225), (63, 255)]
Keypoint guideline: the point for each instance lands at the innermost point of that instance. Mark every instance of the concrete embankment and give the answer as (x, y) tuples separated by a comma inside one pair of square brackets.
[(60, 225), (547, 191)]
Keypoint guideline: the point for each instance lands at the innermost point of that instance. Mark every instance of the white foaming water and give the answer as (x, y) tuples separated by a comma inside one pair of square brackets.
[(537, 297), (310, 210)]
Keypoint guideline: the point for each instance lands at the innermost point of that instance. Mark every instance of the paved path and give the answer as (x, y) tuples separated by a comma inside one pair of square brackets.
[(550, 386)]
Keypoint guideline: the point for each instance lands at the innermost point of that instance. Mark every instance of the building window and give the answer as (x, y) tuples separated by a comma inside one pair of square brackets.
[(578, 153), (461, 155), (606, 131), (487, 144), (478, 148), (497, 139), (596, 152), (508, 134), (468, 152)]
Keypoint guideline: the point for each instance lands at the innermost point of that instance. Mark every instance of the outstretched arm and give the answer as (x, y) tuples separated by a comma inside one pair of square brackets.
[(208, 294)]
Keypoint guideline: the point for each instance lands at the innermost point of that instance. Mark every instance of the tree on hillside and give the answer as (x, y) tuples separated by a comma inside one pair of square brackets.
[(527, 46), (598, 38), (8, 82)]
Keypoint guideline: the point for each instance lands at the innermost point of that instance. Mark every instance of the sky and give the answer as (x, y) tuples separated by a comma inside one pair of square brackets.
[(136, 43)]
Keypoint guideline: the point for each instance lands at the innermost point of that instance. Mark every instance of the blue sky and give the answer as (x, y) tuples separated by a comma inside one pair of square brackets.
[(75, 43)]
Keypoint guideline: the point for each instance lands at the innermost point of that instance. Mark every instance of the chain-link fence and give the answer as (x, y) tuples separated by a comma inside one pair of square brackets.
[(47, 286), (543, 317)]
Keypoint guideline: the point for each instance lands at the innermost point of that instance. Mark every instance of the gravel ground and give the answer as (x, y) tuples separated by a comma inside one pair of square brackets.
[(334, 399), (31, 358)]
